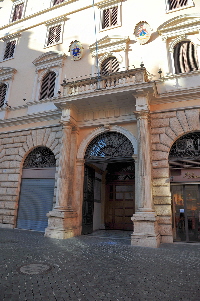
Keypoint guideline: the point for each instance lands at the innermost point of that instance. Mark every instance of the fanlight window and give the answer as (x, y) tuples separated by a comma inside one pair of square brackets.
[(185, 58), (40, 157), (109, 65), (110, 145), (3, 89), (48, 85)]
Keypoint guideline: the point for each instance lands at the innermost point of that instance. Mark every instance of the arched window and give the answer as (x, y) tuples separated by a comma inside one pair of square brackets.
[(48, 85), (3, 88), (109, 65), (185, 59)]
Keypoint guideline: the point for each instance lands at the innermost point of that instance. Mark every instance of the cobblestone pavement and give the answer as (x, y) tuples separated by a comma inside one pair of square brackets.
[(102, 266)]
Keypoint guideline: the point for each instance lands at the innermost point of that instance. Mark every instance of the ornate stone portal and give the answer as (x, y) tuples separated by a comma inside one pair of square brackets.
[(145, 222)]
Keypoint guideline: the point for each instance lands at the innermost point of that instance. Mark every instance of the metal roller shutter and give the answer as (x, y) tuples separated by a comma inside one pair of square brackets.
[(36, 200)]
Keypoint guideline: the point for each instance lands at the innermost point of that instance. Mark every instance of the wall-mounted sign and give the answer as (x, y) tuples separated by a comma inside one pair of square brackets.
[(142, 32), (76, 50)]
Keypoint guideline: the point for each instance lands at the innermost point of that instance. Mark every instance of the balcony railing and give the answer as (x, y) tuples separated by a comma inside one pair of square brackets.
[(111, 81)]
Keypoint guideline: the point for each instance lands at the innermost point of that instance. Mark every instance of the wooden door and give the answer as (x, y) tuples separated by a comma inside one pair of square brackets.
[(120, 206)]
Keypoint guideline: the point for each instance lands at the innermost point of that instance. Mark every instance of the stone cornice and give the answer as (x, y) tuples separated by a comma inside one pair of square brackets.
[(32, 118), (109, 44), (56, 20), (49, 59), (11, 36), (183, 24), (107, 3), (7, 73), (66, 2)]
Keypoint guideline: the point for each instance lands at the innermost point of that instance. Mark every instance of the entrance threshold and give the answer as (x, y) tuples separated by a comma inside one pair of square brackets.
[(112, 234)]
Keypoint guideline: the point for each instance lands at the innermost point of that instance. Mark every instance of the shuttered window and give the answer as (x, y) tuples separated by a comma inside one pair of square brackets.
[(109, 65), (48, 85), (173, 4), (57, 2), (54, 35), (110, 17), (10, 49), (17, 15), (185, 59), (3, 89)]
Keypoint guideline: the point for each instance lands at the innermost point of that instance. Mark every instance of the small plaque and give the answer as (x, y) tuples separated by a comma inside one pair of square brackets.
[(76, 50), (142, 32)]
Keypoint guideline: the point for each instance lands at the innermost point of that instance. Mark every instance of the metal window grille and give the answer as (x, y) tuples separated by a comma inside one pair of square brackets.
[(3, 89), (54, 35), (109, 65), (185, 59), (57, 2), (9, 51), (18, 12), (40, 157), (110, 17), (48, 85), (110, 145), (173, 4)]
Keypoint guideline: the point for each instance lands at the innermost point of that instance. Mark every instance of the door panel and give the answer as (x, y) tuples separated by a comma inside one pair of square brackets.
[(120, 206)]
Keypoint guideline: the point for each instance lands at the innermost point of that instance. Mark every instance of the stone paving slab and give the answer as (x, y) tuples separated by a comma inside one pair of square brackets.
[(95, 267)]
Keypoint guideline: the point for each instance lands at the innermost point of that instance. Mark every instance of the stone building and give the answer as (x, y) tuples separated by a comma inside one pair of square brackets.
[(99, 117)]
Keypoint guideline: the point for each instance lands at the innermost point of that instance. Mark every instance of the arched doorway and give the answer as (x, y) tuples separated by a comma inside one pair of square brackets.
[(109, 188), (37, 189), (184, 162)]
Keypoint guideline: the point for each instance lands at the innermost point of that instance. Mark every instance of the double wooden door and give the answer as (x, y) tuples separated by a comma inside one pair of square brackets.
[(120, 205)]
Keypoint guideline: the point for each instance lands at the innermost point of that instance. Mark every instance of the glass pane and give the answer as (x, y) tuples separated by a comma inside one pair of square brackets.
[(178, 213)]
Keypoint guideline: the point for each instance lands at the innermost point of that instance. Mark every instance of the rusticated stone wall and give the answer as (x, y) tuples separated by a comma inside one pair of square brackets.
[(14, 147), (166, 128)]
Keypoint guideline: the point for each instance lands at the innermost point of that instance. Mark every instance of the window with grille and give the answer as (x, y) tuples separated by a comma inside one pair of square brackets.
[(110, 17), (177, 4), (54, 35), (48, 85), (18, 10), (9, 50), (109, 65), (185, 59), (3, 88), (55, 2)]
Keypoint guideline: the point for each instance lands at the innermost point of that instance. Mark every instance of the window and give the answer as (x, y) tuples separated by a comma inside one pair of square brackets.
[(110, 13), (55, 2), (48, 85), (177, 4), (110, 17), (54, 35), (3, 89), (109, 65), (185, 59), (17, 15), (9, 50)]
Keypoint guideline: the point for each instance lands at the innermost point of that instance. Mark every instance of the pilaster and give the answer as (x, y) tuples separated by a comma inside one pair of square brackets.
[(145, 220)]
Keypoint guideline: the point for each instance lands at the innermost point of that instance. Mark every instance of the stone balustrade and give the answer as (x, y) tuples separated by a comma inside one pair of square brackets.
[(110, 81)]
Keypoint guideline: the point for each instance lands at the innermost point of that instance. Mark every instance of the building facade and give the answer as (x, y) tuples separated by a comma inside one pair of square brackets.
[(99, 118)]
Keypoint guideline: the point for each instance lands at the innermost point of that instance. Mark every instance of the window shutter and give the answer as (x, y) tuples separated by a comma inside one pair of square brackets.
[(48, 85), (57, 2), (3, 89), (109, 65), (185, 59), (173, 4), (110, 16), (18, 12), (54, 35), (9, 51)]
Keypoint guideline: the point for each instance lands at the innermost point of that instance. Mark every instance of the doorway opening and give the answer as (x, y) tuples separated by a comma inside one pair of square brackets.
[(37, 189), (109, 190), (184, 162)]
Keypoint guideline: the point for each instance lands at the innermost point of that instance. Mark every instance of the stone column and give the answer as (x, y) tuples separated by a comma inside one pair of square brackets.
[(145, 221), (62, 221)]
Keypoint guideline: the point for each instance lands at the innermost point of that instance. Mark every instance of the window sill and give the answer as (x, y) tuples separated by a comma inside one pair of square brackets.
[(10, 58), (177, 9), (110, 27)]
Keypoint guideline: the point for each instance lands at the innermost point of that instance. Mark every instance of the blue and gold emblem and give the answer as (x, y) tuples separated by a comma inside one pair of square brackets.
[(76, 50), (142, 32)]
